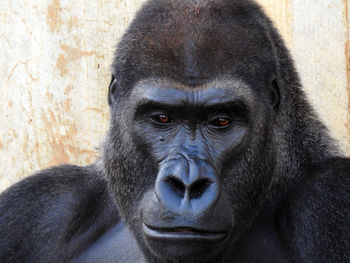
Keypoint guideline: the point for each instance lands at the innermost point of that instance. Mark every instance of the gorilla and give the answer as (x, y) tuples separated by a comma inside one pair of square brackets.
[(213, 155)]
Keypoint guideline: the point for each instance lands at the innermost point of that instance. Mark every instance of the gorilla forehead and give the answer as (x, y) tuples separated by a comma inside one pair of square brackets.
[(195, 41), (170, 93)]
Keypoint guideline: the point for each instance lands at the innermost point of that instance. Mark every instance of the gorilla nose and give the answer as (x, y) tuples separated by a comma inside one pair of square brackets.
[(193, 190), (187, 185)]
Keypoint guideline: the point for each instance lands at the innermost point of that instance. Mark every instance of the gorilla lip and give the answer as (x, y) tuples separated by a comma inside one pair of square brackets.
[(183, 232)]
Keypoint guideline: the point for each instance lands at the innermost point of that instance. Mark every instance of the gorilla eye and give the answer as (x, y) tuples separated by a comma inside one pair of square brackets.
[(161, 119), (221, 122)]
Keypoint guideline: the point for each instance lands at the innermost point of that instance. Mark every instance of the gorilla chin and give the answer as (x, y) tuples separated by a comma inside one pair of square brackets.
[(185, 233)]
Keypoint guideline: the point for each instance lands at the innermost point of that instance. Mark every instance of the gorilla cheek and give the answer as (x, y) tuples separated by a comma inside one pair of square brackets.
[(130, 178)]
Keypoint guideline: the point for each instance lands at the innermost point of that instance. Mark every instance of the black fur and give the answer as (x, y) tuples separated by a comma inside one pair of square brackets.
[(53, 215), (284, 188)]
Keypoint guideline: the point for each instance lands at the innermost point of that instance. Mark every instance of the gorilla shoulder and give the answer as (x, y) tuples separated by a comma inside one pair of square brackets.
[(46, 218), (319, 213)]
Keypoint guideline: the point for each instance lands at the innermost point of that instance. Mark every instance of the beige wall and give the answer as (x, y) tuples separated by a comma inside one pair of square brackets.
[(54, 71)]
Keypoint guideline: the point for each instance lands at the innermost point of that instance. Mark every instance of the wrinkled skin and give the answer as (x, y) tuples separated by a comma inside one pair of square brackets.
[(213, 155)]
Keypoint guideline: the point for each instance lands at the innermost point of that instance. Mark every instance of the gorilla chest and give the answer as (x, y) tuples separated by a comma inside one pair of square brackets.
[(116, 246)]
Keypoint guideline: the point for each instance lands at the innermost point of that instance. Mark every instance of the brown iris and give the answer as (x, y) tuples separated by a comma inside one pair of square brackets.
[(163, 118), (222, 122)]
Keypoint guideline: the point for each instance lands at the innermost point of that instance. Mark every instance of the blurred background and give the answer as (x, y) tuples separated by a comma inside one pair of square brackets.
[(55, 59)]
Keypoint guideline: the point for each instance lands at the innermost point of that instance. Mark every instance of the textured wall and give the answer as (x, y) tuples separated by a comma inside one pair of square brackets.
[(54, 72)]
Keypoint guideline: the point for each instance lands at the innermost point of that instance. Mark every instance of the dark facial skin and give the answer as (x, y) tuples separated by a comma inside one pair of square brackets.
[(193, 136)]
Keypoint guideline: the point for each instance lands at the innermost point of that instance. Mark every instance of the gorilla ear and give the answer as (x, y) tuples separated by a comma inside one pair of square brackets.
[(274, 94), (111, 90)]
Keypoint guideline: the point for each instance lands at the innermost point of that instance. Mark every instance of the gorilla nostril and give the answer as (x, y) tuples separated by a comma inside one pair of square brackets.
[(198, 188), (176, 185)]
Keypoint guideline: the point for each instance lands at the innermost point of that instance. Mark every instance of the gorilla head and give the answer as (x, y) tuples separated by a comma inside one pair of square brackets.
[(208, 125)]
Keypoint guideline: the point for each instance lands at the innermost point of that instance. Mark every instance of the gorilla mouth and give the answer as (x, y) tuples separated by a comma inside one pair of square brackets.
[(183, 232)]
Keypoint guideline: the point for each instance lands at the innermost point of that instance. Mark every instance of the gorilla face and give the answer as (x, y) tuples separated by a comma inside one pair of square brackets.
[(183, 183), (193, 100)]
